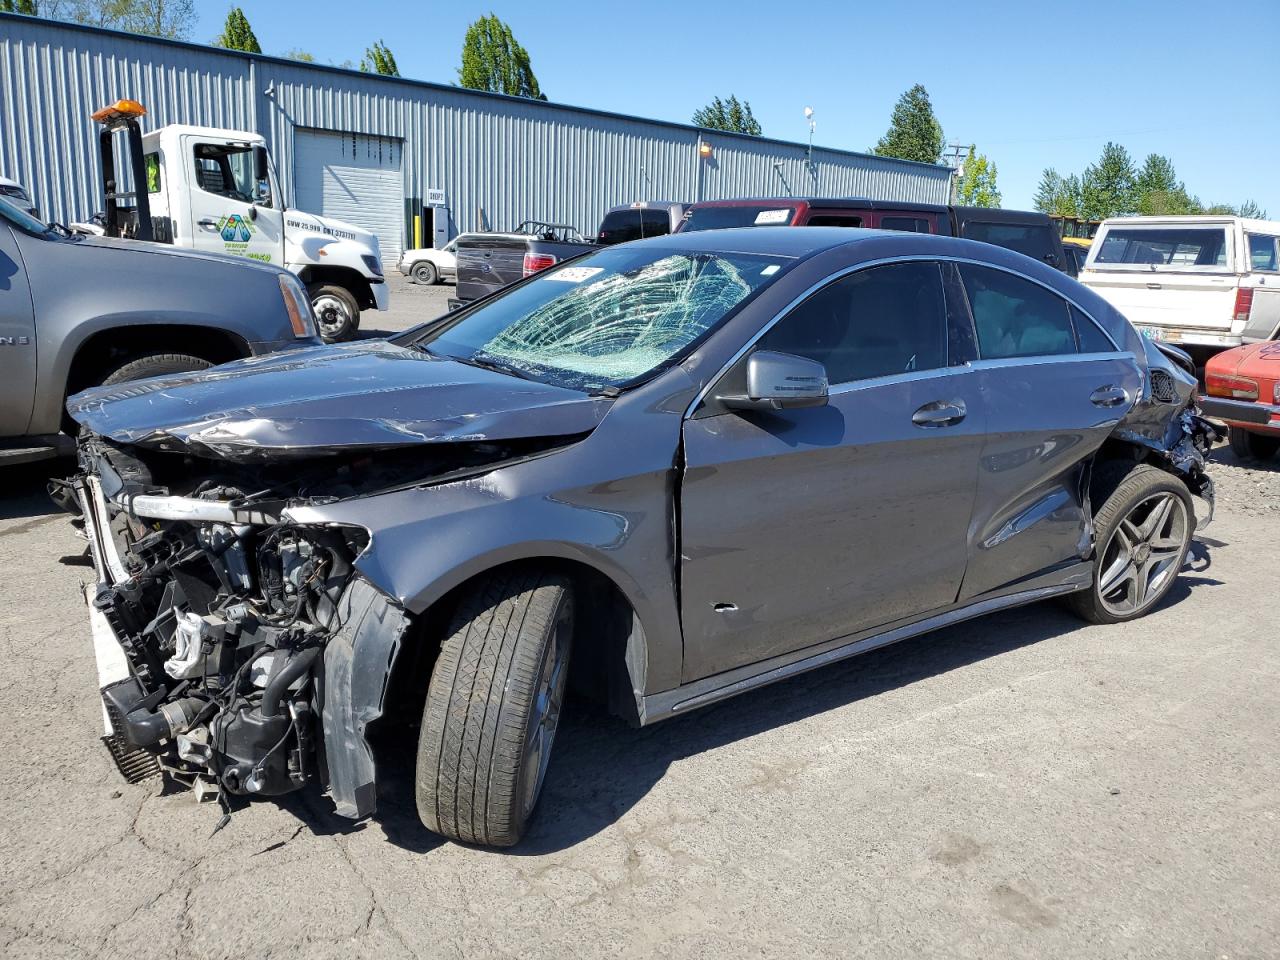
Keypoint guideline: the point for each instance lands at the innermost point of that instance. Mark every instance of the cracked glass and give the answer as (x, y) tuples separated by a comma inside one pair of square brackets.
[(606, 320)]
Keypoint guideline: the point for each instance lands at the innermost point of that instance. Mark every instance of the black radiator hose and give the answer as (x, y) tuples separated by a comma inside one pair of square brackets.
[(274, 692), (146, 728)]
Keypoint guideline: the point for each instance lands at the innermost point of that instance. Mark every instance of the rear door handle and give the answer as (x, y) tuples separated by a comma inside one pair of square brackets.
[(940, 413), (1109, 396), (208, 224)]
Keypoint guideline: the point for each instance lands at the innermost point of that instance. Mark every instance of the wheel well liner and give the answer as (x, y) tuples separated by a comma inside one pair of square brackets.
[(342, 277), (609, 667)]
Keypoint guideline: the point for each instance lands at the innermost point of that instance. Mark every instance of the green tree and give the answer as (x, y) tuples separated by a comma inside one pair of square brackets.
[(1248, 209), (237, 34), (378, 59), (29, 7), (492, 60), (171, 19), (1159, 192), (730, 115), (302, 55), (977, 184), (914, 132), (1108, 187), (1057, 195)]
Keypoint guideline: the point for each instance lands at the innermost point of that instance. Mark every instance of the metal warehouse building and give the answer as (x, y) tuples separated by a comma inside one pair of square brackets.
[(381, 151)]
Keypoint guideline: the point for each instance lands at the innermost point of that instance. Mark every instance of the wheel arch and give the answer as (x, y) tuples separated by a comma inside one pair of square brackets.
[(106, 346), (346, 277), (610, 667)]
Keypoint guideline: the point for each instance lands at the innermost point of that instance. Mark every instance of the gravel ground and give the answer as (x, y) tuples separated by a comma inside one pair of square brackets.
[(1019, 786)]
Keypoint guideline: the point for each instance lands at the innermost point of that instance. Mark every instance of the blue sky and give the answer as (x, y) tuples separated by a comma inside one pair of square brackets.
[(1033, 84)]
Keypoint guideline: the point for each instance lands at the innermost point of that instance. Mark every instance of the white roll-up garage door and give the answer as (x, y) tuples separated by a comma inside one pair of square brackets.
[(353, 177)]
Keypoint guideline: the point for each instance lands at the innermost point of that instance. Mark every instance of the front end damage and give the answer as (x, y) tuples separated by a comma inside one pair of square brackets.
[(227, 634)]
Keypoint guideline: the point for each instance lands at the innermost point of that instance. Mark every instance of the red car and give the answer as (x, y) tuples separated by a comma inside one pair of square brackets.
[(1243, 387)]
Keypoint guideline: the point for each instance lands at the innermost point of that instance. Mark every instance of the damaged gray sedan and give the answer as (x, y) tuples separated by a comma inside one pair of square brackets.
[(676, 470)]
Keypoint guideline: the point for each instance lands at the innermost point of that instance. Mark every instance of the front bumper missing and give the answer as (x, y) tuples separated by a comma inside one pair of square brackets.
[(134, 763), (356, 661)]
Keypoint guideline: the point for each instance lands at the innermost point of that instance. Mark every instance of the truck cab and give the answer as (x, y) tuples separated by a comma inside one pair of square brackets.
[(212, 189)]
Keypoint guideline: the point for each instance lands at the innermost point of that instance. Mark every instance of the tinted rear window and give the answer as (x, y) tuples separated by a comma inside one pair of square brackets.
[(1173, 247), (619, 226), (1032, 240), (910, 224), (748, 215)]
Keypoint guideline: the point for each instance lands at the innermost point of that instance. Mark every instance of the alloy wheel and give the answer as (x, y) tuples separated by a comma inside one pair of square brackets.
[(544, 716), (1142, 556)]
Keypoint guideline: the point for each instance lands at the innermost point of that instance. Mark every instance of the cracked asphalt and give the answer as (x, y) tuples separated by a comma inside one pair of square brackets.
[(1019, 786)]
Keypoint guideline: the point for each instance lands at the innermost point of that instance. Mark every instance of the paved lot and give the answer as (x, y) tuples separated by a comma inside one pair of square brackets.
[(411, 304), (1018, 786)]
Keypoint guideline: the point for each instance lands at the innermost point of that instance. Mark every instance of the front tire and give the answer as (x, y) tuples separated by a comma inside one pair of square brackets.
[(1143, 531), (155, 365), (493, 707), (337, 312), (425, 272), (1248, 445)]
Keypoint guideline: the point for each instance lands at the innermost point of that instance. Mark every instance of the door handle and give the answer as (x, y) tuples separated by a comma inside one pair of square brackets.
[(940, 413), (208, 224), (1109, 396)]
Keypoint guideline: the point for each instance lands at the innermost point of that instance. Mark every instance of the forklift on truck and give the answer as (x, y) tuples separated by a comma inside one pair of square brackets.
[(212, 189)]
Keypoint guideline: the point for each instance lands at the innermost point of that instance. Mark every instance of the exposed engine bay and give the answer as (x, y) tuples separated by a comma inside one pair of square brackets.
[(214, 605)]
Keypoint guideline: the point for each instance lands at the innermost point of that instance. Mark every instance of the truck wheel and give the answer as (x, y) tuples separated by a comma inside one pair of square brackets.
[(424, 271), (493, 706), (337, 312), (1143, 529), (1252, 446), (155, 365)]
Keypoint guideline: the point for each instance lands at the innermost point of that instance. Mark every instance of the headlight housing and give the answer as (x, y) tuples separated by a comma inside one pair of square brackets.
[(373, 263), (297, 306)]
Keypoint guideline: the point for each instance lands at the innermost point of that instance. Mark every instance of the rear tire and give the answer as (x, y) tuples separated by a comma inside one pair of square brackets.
[(493, 707), (1143, 531), (425, 272), (155, 365), (1248, 445), (337, 312)]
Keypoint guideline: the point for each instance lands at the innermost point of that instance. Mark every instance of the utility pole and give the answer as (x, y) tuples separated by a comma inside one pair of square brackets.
[(956, 161)]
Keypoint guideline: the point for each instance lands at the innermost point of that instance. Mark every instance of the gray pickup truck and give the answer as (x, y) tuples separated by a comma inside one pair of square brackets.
[(78, 312)]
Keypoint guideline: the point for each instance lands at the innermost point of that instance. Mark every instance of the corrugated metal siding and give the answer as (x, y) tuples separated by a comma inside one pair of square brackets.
[(498, 160)]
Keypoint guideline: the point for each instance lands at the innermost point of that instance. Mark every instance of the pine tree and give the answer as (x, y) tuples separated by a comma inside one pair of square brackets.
[(29, 7), (237, 34), (1108, 187), (492, 60), (732, 115), (914, 132)]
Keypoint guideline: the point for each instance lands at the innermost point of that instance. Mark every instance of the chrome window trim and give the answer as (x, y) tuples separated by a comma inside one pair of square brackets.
[(841, 274)]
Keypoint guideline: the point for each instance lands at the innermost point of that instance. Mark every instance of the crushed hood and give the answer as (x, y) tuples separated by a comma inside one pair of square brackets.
[(328, 400)]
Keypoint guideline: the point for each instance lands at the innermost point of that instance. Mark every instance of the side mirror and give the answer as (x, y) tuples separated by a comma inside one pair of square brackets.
[(780, 381), (260, 165)]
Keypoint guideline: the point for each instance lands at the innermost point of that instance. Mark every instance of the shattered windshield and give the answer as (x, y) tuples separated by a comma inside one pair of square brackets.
[(608, 319)]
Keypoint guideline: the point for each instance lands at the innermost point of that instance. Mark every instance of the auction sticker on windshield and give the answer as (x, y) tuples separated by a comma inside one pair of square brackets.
[(773, 216), (574, 274)]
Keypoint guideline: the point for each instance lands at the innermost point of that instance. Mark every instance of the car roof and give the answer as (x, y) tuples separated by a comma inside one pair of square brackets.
[(836, 203), (768, 241)]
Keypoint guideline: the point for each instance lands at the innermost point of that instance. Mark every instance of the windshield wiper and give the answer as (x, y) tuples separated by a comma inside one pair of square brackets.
[(488, 363)]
